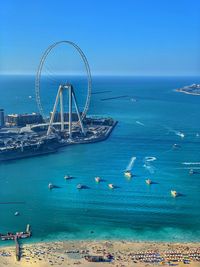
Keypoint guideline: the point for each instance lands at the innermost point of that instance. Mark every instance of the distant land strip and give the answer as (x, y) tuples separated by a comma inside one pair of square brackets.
[(185, 91), (12, 202), (101, 92), (115, 97)]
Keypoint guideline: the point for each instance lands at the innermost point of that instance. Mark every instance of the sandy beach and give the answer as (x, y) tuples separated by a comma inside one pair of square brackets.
[(116, 253)]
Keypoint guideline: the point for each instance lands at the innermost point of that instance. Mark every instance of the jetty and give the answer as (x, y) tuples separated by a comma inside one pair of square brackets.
[(16, 237), (17, 248)]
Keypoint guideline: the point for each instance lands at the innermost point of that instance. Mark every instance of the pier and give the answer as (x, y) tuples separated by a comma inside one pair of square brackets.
[(17, 248), (16, 237)]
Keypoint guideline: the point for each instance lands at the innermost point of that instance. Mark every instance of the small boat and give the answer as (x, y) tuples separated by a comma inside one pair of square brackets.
[(176, 146), (67, 177), (51, 186), (191, 171), (128, 174), (182, 135), (148, 181), (79, 186), (97, 179), (174, 193), (111, 186), (16, 213)]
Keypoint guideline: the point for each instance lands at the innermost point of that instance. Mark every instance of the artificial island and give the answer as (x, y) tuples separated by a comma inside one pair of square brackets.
[(28, 135), (193, 89)]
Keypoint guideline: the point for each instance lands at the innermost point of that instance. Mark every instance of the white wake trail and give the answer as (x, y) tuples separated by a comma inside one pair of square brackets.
[(140, 123), (131, 163)]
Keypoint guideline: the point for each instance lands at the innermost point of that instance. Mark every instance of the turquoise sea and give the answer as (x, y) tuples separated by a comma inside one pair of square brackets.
[(147, 127)]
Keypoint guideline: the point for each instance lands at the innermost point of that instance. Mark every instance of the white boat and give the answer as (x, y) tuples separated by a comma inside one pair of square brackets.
[(79, 186), (16, 213), (148, 181), (174, 193), (111, 186), (66, 177), (182, 135), (128, 174), (176, 146), (97, 179), (50, 186), (191, 171)]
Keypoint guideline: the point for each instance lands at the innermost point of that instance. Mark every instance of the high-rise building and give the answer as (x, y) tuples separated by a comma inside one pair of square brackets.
[(2, 121)]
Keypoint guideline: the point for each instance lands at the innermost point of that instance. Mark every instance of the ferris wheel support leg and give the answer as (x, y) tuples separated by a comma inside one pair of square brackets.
[(54, 110), (61, 110), (70, 111), (78, 113)]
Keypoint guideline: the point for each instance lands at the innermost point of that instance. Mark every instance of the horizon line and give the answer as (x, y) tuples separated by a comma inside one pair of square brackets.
[(101, 74)]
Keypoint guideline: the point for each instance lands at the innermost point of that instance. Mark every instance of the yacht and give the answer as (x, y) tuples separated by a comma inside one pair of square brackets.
[(111, 186), (176, 146), (79, 186), (97, 179), (191, 171), (67, 177), (174, 193), (50, 186), (128, 174), (148, 181)]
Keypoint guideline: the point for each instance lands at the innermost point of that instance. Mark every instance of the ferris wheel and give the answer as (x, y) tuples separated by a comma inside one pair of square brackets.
[(64, 86)]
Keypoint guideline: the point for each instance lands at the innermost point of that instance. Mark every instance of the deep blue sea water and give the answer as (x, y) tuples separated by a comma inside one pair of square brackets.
[(147, 127)]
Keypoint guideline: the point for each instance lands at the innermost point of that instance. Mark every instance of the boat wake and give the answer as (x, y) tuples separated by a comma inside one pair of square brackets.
[(188, 168), (148, 164), (178, 133), (191, 163), (149, 168), (139, 123), (131, 163), (150, 159)]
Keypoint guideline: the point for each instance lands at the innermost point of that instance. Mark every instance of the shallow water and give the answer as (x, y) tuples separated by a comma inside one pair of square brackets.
[(134, 210)]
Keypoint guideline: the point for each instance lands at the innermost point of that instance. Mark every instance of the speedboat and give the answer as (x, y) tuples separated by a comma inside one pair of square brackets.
[(111, 186), (176, 146), (174, 193), (50, 186), (97, 179), (16, 213), (182, 135), (148, 181), (128, 174), (66, 177), (79, 186), (191, 171)]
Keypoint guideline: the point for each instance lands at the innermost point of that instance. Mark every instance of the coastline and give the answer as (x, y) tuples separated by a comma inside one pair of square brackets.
[(71, 253)]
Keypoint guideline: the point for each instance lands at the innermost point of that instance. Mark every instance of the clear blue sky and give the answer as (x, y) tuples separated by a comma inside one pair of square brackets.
[(133, 37)]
